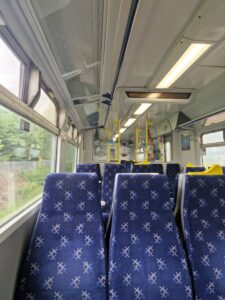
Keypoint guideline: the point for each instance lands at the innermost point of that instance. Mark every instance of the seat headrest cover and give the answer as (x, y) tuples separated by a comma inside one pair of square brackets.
[(213, 170), (190, 165)]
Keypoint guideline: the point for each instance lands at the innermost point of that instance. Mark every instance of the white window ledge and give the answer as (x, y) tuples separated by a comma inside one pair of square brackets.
[(13, 224)]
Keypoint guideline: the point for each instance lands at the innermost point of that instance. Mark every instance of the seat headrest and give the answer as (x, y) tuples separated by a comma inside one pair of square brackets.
[(213, 170)]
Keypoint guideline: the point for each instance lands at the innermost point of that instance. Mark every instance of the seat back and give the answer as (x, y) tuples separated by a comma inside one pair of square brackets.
[(109, 173), (66, 254), (203, 222), (128, 166), (151, 168), (223, 170), (146, 258), (172, 170), (194, 169), (89, 168)]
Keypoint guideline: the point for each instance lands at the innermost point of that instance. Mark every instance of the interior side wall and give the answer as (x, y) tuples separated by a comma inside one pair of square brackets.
[(11, 254), (184, 156)]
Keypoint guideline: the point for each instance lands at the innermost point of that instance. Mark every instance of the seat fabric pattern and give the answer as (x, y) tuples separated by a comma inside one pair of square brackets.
[(151, 168), (89, 168), (203, 213), (223, 168), (146, 258), (66, 258), (172, 170), (110, 171), (195, 169)]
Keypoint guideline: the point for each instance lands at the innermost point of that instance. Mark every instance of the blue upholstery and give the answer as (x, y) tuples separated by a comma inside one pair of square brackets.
[(203, 213), (223, 170), (89, 168), (146, 259), (110, 171), (171, 172), (194, 169), (66, 258), (128, 166), (151, 168)]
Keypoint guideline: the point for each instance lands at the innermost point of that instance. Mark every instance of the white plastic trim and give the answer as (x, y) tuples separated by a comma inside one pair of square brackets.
[(13, 224)]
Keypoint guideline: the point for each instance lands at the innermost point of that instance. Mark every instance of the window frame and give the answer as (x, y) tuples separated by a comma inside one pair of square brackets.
[(214, 144), (44, 87), (11, 42)]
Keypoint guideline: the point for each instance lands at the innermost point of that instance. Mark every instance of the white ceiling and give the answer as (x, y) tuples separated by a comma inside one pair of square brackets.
[(160, 31), (155, 44)]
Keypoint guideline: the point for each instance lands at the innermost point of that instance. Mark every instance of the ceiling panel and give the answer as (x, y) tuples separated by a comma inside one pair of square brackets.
[(198, 77), (136, 75), (157, 26), (215, 57), (209, 25)]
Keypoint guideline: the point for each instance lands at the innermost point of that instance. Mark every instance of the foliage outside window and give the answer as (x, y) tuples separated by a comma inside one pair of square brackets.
[(46, 108), (26, 158), (70, 157), (11, 69)]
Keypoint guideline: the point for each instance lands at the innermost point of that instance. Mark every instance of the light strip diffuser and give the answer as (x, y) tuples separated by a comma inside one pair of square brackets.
[(142, 108), (194, 52)]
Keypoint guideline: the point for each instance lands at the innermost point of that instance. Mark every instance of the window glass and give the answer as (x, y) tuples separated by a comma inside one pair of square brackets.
[(46, 108), (26, 157), (70, 132), (70, 157), (168, 151), (213, 137), (11, 69), (214, 155)]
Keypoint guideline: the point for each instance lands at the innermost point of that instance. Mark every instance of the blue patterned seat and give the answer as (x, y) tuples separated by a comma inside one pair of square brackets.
[(66, 258), (194, 169), (223, 170), (172, 170), (151, 168), (89, 168), (127, 165), (146, 259), (109, 173), (203, 219)]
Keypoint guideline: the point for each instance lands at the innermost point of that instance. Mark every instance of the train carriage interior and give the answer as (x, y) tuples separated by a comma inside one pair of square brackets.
[(112, 149)]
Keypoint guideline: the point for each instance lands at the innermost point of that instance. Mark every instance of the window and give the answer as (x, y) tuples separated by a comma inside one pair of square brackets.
[(213, 137), (70, 157), (11, 69), (168, 151), (70, 132), (213, 148), (46, 108), (214, 155), (26, 157)]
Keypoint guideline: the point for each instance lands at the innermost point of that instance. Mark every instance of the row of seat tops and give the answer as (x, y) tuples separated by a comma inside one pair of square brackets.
[(128, 167), (110, 170), (67, 259)]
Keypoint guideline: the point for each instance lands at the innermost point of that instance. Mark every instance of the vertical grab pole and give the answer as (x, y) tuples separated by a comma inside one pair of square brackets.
[(108, 146), (136, 152), (146, 139)]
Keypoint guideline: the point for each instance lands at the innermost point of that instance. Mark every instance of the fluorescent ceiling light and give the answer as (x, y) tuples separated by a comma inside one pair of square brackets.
[(190, 56), (122, 130), (129, 122), (142, 108)]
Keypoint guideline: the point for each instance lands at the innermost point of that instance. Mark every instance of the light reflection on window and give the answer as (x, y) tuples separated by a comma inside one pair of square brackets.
[(46, 108), (11, 69)]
